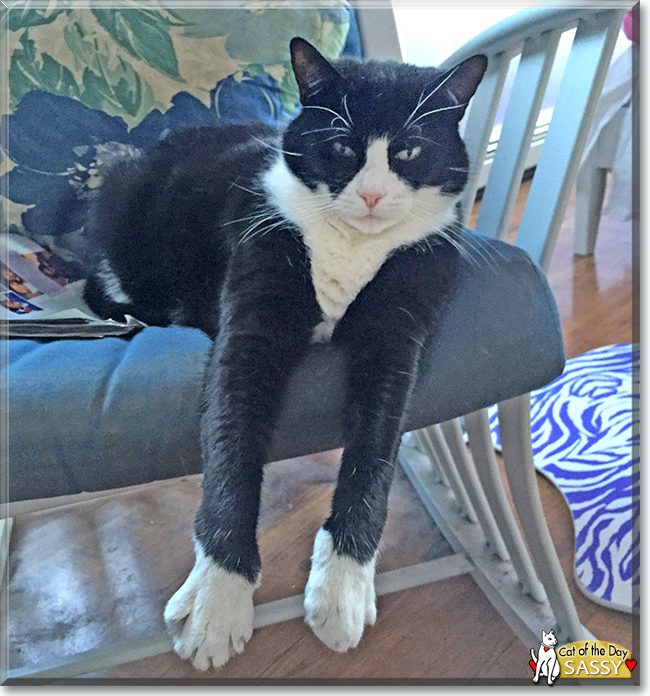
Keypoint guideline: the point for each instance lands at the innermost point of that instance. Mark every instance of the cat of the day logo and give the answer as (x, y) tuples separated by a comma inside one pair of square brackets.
[(580, 660)]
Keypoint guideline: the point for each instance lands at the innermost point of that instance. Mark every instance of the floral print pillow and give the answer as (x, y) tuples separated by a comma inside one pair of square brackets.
[(90, 84)]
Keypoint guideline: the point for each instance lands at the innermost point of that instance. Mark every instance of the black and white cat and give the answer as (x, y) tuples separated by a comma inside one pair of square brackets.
[(342, 228)]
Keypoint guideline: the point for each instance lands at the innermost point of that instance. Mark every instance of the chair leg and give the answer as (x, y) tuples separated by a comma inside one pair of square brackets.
[(514, 424), (480, 443), (424, 443), (467, 471), (590, 193), (432, 439), (5, 537)]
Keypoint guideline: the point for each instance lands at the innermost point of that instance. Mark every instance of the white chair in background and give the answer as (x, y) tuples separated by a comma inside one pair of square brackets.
[(609, 149)]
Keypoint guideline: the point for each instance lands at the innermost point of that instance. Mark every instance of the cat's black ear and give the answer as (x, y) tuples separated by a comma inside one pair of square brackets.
[(462, 81), (312, 71)]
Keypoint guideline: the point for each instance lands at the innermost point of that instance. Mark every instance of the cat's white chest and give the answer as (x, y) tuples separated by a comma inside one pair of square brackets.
[(341, 265)]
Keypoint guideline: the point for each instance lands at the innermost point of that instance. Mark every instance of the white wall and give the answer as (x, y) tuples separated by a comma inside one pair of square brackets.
[(429, 35)]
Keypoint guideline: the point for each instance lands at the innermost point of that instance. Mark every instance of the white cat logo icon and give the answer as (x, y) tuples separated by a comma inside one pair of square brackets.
[(545, 663)]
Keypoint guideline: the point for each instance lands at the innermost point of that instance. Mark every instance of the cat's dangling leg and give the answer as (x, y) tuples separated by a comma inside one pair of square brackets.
[(340, 592), (261, 339)]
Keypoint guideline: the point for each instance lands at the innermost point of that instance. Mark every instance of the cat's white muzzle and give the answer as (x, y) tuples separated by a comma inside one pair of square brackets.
[(373, 222)]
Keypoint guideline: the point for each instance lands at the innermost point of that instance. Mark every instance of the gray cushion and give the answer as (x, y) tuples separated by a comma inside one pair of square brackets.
[(96, 414)]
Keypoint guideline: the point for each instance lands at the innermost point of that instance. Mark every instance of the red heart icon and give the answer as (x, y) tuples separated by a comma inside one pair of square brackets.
[(631, 664)]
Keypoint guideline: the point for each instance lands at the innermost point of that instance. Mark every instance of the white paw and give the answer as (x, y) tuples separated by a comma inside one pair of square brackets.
[(211, 616), (339, 596)]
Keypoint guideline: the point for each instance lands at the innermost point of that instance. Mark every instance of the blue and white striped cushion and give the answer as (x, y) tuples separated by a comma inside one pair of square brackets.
[(585, 430)]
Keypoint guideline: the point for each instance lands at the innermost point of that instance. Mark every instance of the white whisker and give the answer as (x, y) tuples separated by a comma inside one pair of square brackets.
[(252, 232), (331, 111), (458, 240), (243, 188), (403, 309), (332, 137), (253, 226), (422, 101), (417, 106), (319, 206), (244, 219), (330, 128), (458, 246), (345, 106), (277, 149), (487, 252), (261, 211), (480, 253), (436, 111), (428, 140)]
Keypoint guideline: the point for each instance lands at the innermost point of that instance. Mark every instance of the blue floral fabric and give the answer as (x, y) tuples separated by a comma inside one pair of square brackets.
[(90, 85)]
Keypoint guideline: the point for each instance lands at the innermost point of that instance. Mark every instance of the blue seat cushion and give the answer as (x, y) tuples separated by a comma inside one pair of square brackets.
[(89, 415)]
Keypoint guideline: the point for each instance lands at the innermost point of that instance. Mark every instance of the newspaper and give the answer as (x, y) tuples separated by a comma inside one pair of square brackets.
[(41, 296)]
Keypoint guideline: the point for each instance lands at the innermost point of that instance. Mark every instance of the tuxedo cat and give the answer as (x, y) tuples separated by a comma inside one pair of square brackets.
[(546, 662), (342, 228)]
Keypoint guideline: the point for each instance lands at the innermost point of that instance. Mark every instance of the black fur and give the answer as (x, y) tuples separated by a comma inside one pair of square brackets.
[(175, 225)]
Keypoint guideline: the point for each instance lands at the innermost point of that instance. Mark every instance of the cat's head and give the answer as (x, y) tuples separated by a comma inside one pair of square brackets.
[(549, 639), (377, 143)]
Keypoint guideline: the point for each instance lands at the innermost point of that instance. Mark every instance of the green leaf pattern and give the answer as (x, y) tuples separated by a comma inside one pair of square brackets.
[(118, 91), (128, 58), (144, 34), (32, 70), (32, 14)]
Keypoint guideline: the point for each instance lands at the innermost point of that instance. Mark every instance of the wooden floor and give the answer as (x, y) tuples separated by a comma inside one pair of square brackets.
[(93, 572)]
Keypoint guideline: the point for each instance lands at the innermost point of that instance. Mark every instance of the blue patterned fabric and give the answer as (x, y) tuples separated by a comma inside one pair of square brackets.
[(87, 85), (585, 431)]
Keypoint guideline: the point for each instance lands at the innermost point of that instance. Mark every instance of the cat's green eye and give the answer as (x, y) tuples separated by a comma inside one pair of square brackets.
[(408, 155), (343, 150)]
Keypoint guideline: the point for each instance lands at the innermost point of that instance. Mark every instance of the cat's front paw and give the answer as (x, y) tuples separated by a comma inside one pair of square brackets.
[(339, 596), (210, 617)]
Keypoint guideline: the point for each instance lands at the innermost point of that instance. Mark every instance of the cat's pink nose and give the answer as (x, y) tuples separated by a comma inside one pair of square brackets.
[(372, 198)]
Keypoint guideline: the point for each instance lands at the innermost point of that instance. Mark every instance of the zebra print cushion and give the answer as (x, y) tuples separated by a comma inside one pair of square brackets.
[(585, 430)]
